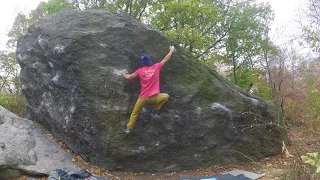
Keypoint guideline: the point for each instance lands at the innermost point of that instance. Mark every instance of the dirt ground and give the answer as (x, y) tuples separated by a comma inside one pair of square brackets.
[(281, 166)]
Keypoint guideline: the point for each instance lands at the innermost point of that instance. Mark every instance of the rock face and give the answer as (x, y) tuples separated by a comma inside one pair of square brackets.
[(25, 149), (71, 76)]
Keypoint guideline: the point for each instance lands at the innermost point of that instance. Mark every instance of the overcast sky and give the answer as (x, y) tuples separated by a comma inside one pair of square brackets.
[(9, 10), (285, 25), (285, 12)]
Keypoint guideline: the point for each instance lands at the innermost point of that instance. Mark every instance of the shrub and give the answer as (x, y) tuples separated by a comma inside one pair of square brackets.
[(15, 103)]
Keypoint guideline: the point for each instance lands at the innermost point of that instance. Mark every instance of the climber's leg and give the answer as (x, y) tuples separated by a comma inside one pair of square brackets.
[(160, 100), (136, 110)]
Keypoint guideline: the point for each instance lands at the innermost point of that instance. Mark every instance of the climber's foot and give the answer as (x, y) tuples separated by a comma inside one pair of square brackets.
[(127, 131)]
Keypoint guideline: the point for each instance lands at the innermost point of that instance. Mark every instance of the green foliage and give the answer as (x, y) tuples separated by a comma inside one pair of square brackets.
[(196, 25), (13, 102), (247, 36), (245, 78), (9, 75), (90, 4), (262, 88), (134, 8), (7, 101), (312, 159), (19, 26), (54, 6), (137, 9), (10, 90), (313, 98), (253, 80), (232, 33), (310, 102)]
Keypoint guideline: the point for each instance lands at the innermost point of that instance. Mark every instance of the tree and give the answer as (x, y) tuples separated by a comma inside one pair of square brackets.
[(310, 85), (133, 8), (196, 25), (247, 39), (228, 31), (311, 26), (54, 6), (9, 71), (285, 77), (10, 89)]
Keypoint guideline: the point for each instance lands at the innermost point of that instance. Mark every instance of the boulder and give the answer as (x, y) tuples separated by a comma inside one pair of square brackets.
[(25, 148), (71, 64)]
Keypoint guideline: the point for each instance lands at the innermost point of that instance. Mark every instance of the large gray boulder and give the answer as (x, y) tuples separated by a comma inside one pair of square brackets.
[(71, 76), (25, 149)]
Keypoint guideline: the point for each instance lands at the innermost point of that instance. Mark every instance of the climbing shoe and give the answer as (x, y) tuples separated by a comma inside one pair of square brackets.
[(151, 111), (127, 131)]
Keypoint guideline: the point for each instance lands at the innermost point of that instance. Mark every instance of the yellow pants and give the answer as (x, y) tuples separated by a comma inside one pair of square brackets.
[(157, 100)]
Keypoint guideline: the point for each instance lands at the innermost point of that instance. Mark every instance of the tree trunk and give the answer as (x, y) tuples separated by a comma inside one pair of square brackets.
[(234, 69)]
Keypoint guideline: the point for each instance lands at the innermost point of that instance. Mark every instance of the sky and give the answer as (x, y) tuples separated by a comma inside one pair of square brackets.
[(285, 25), (9, 10), (285, 13)]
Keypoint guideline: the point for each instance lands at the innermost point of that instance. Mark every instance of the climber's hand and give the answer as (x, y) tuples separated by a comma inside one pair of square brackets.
[(172, 48), (129, 76)]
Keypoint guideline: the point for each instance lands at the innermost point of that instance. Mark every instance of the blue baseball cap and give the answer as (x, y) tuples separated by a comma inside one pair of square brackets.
[(145, 60)]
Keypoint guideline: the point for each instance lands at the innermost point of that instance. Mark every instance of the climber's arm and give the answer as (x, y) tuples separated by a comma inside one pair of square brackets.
[(168, 56), (129, 76)]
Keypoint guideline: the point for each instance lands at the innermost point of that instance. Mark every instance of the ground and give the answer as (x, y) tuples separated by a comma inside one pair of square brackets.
[(287, 165)]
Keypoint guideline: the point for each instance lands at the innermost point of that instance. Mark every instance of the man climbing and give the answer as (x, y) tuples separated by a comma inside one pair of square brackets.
[(149, 75)]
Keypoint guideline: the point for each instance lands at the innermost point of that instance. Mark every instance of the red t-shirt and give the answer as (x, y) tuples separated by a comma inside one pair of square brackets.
[(149, 79)]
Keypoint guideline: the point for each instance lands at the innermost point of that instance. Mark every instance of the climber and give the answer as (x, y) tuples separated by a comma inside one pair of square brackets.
[(149, 75)]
